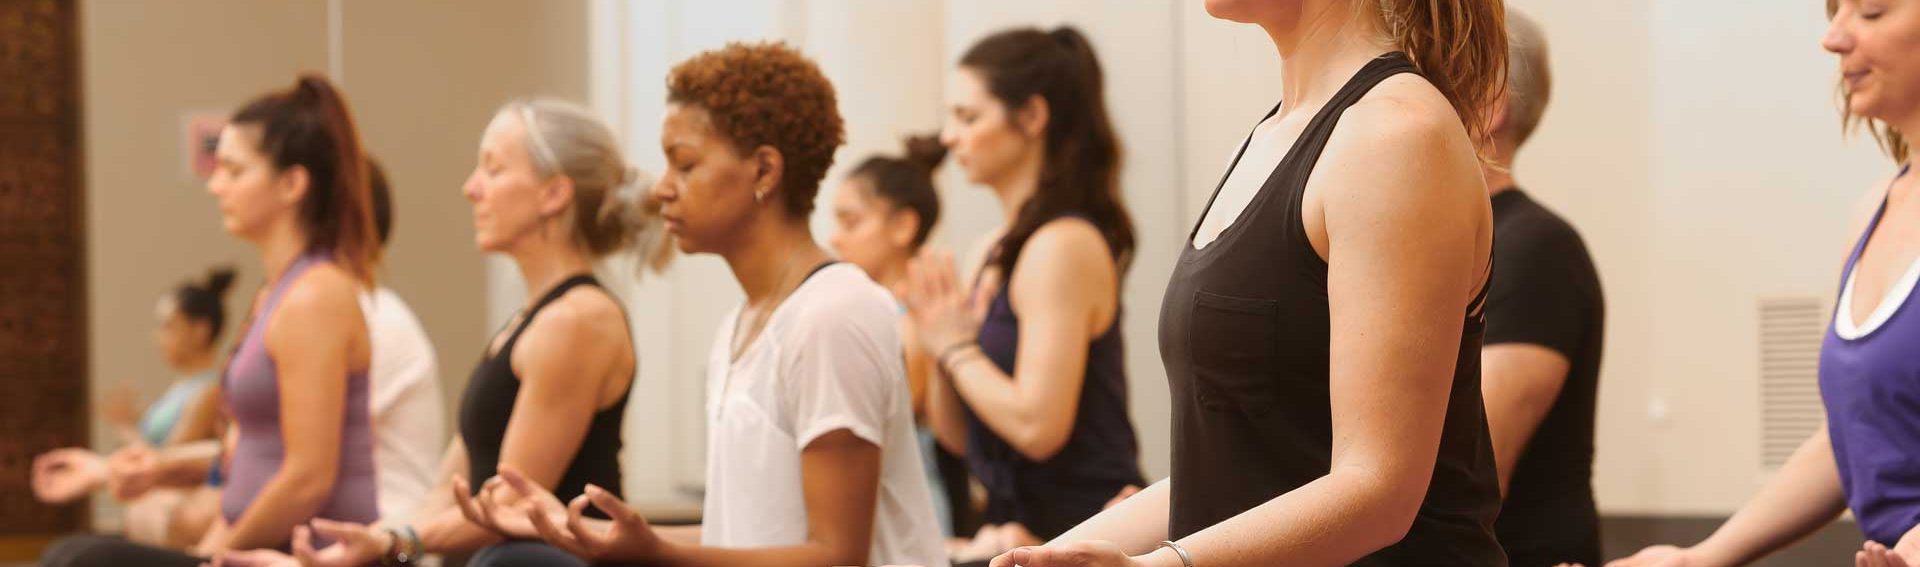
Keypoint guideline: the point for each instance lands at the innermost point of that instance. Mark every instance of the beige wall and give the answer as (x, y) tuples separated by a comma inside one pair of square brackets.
[(425, 79), (150, 224), (422, 79)]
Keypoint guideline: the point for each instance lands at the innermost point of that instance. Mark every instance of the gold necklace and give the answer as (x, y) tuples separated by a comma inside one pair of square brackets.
[(743, 336)]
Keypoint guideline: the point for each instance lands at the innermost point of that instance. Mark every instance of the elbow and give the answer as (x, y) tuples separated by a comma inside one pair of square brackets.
[(847, 552), (1392, 506), (310, 485), (1396, 520), (1040, 446)]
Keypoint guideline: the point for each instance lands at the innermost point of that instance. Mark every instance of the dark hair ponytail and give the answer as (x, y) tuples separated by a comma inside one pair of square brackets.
[(205, 301), (907, 182), (310, 126), (1081, 173)]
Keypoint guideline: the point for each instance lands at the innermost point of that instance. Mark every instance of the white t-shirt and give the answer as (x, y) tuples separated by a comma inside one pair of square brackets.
[(828, 359), (409, 416)]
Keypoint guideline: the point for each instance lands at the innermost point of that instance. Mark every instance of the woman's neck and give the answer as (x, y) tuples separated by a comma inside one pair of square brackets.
[(893, 273), (1328, 41), (280, 245), (1019, 186), (769, 254), (195, 363), (547, 258)]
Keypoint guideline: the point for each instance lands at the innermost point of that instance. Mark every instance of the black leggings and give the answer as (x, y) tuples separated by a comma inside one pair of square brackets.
[(89, 550), (523, 553)]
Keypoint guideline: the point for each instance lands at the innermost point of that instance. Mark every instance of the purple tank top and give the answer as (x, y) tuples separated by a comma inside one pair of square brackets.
[(250, 391), (1871, 387)]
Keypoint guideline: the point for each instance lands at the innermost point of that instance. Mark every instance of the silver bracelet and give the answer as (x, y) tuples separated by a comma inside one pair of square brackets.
[(1185, 559)]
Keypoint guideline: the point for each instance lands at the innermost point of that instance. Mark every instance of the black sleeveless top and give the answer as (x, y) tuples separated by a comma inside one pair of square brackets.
[(1100, 457), (1244, 336), (487, 406)]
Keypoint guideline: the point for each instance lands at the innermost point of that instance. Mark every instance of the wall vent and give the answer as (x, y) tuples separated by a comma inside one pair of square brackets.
[(1791, 329)]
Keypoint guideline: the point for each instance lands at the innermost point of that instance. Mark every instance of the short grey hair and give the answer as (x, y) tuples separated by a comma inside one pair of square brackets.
[(1529, 80)]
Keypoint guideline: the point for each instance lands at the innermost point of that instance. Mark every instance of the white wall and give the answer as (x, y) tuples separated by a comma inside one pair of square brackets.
[(889, 62), (1137, 45), (1695, 145)]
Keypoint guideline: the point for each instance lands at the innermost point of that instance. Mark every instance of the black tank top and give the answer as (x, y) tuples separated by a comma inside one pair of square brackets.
[(1101, 454), (487, 406), (1244, 336)]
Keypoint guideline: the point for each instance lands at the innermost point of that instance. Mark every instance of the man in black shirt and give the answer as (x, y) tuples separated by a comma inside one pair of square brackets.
[(1541, 360)]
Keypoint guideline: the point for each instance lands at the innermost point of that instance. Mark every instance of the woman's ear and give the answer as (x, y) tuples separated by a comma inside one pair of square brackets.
[(556, 194), (902, 226), (293, 184), (1032, 118), (768, 167)]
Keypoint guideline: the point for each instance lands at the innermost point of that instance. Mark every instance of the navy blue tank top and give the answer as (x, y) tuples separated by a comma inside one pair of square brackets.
[(1100, 457)]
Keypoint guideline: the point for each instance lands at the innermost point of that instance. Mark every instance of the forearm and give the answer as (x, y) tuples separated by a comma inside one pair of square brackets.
[(682, 535), (1801, 498), (1137, 524), (1334, 520), (187, 464), (997, 399), (946, 416), (448, 531), (291, 498)]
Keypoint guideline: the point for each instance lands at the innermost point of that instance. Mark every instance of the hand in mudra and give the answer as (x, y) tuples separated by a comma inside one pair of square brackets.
[(937, 304)]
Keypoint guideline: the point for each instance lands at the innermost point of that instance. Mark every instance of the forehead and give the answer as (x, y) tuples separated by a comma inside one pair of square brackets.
[(503, 133), (968, 85), (686, 124), (237, 141), (853, 194)]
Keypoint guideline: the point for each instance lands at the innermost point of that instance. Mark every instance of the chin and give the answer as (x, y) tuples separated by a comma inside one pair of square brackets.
[(485, 244), (1864, 105), (686, 245), (234, 228), (1225, 10)]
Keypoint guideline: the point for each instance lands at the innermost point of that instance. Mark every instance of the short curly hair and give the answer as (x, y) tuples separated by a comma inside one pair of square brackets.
[(767, 94)]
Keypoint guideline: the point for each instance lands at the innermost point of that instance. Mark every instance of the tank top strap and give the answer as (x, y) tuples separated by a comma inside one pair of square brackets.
[(1320, 130), (1860, 245), (1476, 309), (289, 275), (552, 295)]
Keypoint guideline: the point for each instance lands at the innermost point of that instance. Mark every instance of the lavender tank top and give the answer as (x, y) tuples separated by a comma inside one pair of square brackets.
[(1871, 386), (251, 395)]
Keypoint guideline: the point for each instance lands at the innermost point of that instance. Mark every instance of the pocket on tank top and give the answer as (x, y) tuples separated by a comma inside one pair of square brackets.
[(1234, 342)]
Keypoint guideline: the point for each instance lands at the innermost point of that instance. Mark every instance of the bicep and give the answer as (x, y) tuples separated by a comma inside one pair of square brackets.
[(558, 394), (312, 346), (840, 481), (1063, 288), (1406, 246), (1520, 383), (1522, 377)]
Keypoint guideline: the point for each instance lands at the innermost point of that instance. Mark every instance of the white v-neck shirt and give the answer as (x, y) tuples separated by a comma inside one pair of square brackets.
[(828, 359)]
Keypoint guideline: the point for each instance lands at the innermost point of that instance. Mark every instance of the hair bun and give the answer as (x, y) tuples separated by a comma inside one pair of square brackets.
[(926, 151), (220, 280)]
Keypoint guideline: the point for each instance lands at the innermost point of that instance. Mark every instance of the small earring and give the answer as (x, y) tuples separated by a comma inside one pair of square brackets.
[(759, 197)]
